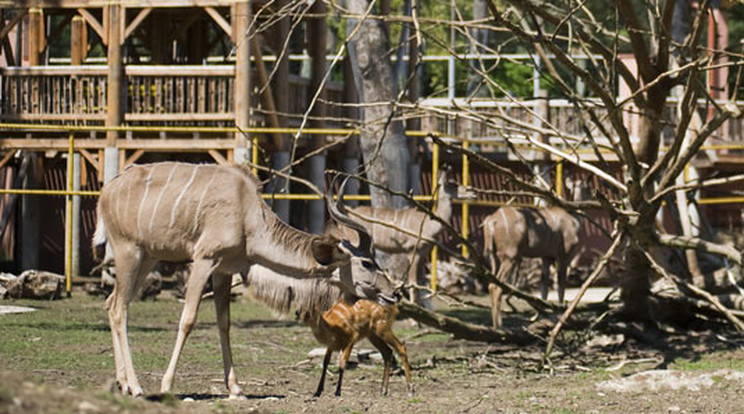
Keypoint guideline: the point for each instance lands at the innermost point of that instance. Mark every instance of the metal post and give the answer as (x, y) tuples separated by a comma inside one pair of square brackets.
[(559, 178), (76, 184), (465, 205), (434, 181), (68, 221)]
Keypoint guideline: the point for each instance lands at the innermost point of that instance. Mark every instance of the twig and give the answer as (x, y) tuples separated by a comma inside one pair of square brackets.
[(595, 274)]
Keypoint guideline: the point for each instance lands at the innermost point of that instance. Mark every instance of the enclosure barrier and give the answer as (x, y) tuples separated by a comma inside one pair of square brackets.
[(69, 193)]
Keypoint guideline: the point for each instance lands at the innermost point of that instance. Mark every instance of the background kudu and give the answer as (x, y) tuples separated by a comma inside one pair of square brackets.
[(337, 320), (412, 221), (513, 233), (214, 217)]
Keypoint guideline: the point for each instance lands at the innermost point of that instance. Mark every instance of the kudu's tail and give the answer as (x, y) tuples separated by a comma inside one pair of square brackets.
[(98, 245)]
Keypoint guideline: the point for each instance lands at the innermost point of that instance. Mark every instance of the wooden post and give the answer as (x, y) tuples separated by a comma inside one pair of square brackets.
[(116, 90), (280, 87), (78, 46), (35, 36), (241, 38), (316, 43)]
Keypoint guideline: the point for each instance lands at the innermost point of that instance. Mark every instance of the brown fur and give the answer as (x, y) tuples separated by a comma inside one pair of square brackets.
[(512, 233), (336, 320)]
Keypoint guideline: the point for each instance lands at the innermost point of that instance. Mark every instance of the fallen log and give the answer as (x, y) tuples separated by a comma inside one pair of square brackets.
[(463, 330)]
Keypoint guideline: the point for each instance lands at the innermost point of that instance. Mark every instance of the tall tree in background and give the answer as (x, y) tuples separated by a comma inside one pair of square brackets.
[(382, 140)]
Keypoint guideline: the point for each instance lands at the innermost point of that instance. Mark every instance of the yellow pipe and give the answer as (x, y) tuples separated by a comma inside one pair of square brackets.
[(721, 200), (434, 182), (465, 206), (254, 154), (68, 221), (50, 192), (559, 178)]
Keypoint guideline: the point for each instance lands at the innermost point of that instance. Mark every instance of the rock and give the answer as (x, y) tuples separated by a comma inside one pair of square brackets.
[(656, 380), (36, 284), (604, 341), (86, 407)]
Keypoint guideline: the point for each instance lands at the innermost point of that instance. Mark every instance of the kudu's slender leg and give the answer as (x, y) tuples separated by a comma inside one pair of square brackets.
[(326, 361), (507, 268), (130, 270), (545, 279), (221, 283), (387, 358), (200, 271), (561, 265), (392, 340)]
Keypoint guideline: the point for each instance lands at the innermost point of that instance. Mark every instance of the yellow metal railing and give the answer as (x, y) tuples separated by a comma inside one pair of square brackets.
[(69, 192)]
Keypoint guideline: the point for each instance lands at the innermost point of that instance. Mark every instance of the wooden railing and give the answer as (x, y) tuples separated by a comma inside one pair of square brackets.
[(518, 119), (155, 94)]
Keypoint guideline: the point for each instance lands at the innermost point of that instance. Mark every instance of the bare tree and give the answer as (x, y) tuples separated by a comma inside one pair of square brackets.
[(382, 140), (658, 65)]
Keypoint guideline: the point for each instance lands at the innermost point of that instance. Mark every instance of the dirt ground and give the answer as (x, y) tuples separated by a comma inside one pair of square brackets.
[(59, 359)]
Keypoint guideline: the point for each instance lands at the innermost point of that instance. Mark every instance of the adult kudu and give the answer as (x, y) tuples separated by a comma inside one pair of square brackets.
[(214, 217), (407, 231), (513, 233)]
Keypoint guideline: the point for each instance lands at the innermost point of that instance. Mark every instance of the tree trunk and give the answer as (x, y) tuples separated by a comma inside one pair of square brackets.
[(382, 140)]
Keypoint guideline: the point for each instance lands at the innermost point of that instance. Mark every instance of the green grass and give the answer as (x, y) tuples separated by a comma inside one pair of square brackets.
[(709, 362), (71, 338)]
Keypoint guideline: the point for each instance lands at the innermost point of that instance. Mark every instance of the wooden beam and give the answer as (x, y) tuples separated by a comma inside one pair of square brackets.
[(115, 97), (267, 97), (7, 28), (217, 156), (133, 158), (150, 145), (91, 159), (242, 94), (35, 35), (78, 48), (94, 24), (8, 50), (7, 158), (135, 23), (221, 22)]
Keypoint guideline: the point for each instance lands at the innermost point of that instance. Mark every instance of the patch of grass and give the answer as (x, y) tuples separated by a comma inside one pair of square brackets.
[(415, 400), (709, 362), (169, 399)]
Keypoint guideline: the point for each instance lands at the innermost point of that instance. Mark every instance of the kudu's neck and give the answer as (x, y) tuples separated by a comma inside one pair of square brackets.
[(285, 249), (444, 204)]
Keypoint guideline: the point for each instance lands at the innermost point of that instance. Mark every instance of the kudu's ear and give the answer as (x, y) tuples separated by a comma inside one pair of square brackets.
[(324, 250), (338, 212)]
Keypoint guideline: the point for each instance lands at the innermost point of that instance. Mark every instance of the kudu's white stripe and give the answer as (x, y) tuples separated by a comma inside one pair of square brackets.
[(201, 200), (148, 180), (160, 197), (180, 196), (506, 221)]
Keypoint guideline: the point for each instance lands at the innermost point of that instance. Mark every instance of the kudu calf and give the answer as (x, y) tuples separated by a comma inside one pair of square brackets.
[(337, 320), (214, 217), (418, 227), (513, 233)]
